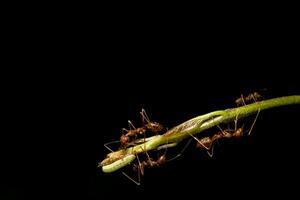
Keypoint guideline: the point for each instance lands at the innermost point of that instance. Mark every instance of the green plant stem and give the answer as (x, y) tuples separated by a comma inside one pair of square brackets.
[(194, 126)]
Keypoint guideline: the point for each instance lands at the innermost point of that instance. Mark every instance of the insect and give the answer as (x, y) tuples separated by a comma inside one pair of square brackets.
[(140, 166), (154, 127), (251, 97), (131, 136), (128, 136), (150, 162), (133, 132), (209, 142)]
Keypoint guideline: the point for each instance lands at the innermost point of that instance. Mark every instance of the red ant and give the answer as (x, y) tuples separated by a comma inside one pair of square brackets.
[(141, 165), (251, 97), (148, 125), (154, 127), (125, 139), (149, 163), (129, 137), (208, 142)]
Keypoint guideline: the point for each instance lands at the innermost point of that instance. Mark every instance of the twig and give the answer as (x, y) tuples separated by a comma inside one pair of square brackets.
[(121, 158)]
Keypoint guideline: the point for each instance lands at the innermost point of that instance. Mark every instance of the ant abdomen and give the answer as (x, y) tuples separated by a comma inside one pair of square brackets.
[(154, 127)]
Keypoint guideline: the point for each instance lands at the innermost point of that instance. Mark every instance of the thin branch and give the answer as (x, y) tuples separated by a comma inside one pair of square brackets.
[(121, 158)]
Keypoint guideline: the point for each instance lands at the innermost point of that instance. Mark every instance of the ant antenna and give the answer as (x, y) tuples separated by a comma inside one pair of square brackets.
[(130, 125), (139, 169), (108, 143), (181, 152), (166, 146), (210, 154), (136, 182), (144, 116), (254, 121)]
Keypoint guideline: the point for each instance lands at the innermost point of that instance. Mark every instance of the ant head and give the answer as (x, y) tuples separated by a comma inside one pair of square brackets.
[(124, 139)]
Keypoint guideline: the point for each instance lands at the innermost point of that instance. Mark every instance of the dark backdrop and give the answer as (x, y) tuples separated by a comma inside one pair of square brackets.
[(82, 92)]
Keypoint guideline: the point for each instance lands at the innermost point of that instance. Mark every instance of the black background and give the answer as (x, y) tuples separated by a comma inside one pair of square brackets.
[(84, 90)]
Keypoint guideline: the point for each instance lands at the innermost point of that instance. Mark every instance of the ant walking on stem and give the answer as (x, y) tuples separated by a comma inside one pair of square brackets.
[(251, 97), (209, 142), (140, 166), (153, 127), (127, 137), (131, 137)]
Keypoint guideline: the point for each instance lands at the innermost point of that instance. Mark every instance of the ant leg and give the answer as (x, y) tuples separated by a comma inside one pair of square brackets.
[(139, 173), (136, 182), (181, 152), (144, 117), (235, 122), (254, 121), (144, 140), (147, 155), (124, 130), (240, 101), (126, 175), (210, 154), (149, 159), (200, 142), (211, 148), (242, 97), (141, 168), (166, 146), (223, 132), (256, 96), (106, 145), (252, 96), (131, 126)]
